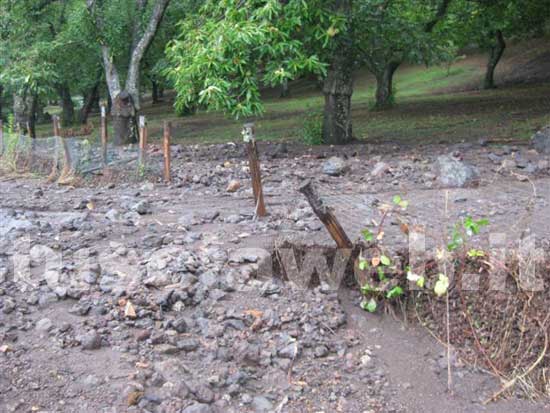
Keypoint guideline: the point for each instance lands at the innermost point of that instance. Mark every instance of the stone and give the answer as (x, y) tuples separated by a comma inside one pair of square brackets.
[(142, 207), (454, 173), (113, 215), (233, 186), (261, 404), (203, 394), (91, 341), (44, 325), (180, 325), (188, 345), (335, 166), (380, 168), (198, 408), (541, 140)]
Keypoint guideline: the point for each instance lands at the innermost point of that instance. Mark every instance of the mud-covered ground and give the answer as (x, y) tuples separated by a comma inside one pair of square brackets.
[(119, 294)]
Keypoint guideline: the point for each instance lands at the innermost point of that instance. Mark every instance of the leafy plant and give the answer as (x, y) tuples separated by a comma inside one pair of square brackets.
[(312, 130)]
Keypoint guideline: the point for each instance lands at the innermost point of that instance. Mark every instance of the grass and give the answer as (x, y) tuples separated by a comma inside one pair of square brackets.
[(435, 104)]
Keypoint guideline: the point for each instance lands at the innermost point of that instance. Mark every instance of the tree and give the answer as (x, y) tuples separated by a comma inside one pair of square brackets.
[(230, 50), (390, 33), (125, 97), (492, 21)]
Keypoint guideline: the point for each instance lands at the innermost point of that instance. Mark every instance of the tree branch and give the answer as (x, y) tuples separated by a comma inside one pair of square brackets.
[(139, 50), (441, 12)]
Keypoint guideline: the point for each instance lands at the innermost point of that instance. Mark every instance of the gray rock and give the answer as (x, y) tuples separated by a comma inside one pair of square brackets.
[(198, 408), (541, 140), (44, 325), (379, 168), (188, 345), (454, 173), (261, 404), (142, 207), (3, 274), (335, 166), (180, 325), (91, 341)]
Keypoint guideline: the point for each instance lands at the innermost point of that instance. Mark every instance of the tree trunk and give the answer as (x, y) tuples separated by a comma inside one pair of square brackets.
[(496, 53), (33, 113), (20, 111), (285, 90), (90, 100), (124, 116), (155, 92), (67, 116), (384, 87), (338, 86)]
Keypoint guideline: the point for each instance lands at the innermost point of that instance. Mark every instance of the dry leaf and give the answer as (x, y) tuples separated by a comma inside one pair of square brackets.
[(380, 235), (375, 261), (5, 348)]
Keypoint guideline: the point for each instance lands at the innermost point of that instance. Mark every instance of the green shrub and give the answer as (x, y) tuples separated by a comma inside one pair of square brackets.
[(312, 130)]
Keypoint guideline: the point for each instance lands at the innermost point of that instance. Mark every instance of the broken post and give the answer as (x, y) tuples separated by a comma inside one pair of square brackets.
[(104, 135), (326, 215), (142, 141), (166, 147), (254, 163)]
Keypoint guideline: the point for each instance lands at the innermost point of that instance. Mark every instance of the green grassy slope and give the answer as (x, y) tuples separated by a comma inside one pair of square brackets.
[(433, 104)]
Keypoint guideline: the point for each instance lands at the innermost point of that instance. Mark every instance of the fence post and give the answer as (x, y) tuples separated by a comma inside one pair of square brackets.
[(254, 163), (1, 138), (167, 154), (142, 141), (68, 167), (55, 164), (104, 135)]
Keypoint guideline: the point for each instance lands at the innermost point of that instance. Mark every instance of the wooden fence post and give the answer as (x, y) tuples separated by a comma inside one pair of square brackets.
[(325, 214), (167, 154), (104, 135), (254, 163), (67, 168), (142, 141)]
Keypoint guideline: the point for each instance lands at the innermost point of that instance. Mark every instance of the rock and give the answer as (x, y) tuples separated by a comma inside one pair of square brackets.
[(380, 168), (3, 275), (233, 186), (261, 404), (335, 166), (541, 140), (198, 408), (188, 345), (454, 173), (509, 164), (91, 341), (142, 207), (180, 325), (113, 215), (203, 394), (320, 351), (44, 325)]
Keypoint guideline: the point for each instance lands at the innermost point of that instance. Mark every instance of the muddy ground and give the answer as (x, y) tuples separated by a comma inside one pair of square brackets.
[(162, 303)]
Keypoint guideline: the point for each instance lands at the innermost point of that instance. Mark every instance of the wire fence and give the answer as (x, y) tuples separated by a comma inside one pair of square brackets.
[(63, 159)]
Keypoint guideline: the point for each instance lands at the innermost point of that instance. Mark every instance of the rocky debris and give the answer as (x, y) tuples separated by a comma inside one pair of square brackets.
[(142, 207), (541, 140), (379, 169), (335, 166), (454, 173)]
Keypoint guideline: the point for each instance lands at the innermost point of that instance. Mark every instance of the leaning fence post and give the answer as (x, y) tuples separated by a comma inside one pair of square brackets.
[(142, 141), (104, 135), (326, 215), (254, 164), (167, 154), (55, 164), (68, 167)]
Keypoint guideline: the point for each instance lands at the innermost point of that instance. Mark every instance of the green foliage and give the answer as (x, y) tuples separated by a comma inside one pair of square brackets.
[(225, 53), (312, 131)]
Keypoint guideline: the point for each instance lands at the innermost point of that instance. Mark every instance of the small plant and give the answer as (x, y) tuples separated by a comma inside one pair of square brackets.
[(312, 130), (386, 281)]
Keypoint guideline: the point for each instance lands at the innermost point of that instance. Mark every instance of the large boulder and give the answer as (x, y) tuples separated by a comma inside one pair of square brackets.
[(541, 140), (454, 173)]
